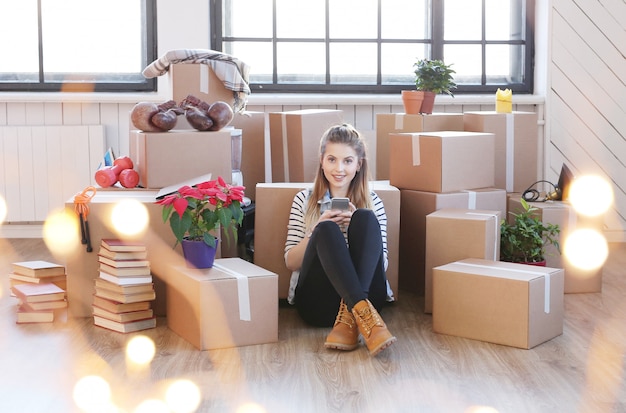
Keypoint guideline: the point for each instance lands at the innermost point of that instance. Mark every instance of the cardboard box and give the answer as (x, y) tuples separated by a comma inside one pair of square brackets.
[(387, 123), (454, 234), (295, 140), (562, 214), (273, 205), (499, 302), (516, 146), (441, 161), (252, 125), (415, 206), (199, 80), (235, 303), (166, 158)]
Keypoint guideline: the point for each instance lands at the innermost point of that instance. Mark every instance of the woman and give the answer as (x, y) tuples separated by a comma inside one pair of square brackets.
[(339, 258)]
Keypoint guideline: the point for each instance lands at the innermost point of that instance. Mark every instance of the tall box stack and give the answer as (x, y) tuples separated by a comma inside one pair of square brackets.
[(516, 146), (252, 125), (456, 234), (294, 142), (387, 123), (561, 213)]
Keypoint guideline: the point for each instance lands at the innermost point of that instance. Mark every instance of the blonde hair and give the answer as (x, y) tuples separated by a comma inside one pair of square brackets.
[(358, 191)]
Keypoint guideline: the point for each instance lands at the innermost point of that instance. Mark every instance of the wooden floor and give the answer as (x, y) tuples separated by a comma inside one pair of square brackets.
[(583, 370)]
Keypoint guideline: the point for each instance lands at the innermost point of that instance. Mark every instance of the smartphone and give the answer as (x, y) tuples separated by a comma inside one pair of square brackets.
[(340, 203)]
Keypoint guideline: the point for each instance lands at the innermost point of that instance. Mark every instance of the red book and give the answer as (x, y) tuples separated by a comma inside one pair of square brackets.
[(35, 293)]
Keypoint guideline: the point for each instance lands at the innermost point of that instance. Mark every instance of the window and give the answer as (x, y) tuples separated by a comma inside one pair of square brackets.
[(77, 45), (370, 46)]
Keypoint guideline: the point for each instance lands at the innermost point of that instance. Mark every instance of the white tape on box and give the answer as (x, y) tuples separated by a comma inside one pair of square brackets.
[(415, 148), (243, 292), (471, 199), (399, 122), (283, 121), (510, 151)]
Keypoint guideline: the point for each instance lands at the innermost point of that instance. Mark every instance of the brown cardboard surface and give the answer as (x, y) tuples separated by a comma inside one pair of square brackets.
[(498, 302), (454, 234), (441, 161), (197, 79), (166, 158), (562, 214), (294, 142), (387, 123), (516, 146), (252, 125), (273, 204), (235, 303), (415, 206)]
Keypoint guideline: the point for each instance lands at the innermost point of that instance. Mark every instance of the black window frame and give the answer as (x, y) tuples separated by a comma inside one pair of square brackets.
[(437, 50), (110, 83)]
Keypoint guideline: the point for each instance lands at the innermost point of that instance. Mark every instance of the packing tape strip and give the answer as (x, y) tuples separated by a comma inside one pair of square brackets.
[(496, 237), (204, 79), (510, 151), (243, 292), (546, 292), (471, 200), (399, 122), (285, 146), (415, 148)]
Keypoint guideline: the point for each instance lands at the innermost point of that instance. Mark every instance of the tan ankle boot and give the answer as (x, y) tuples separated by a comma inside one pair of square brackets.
[(345, 333), (372, 327)]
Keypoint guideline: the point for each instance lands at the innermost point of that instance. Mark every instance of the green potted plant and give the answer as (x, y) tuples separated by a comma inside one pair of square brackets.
[(525, 238), (432, 77), (196, 213)]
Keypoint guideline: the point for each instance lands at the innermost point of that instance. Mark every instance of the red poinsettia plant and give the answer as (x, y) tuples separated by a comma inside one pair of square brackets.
[(196, 213)]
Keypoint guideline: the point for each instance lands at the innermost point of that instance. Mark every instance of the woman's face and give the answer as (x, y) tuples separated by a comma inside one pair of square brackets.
[(340, 164)]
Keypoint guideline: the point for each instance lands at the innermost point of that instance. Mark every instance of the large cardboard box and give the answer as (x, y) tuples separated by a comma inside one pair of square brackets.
[(454, 234), (235, 303), (415, 206), (441, 161), (387, 123), (516, 146), (499, 302), (273, 204), (199, 80), (166, 158), (252, 125), (561, 213), (295, 140)]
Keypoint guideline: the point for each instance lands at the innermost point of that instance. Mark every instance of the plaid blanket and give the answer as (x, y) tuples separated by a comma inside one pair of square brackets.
[(231, 71)]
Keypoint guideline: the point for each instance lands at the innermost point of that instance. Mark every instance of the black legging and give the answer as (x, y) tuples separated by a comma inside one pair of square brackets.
[(332, 270)]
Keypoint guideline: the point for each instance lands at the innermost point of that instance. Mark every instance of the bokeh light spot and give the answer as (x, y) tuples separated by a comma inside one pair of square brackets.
[(140, 349), (129, 217), (92, 393), (61, 232), (251, 408), (591, 195), (152, 406), (586, 249), (3, 209), (183, 396)]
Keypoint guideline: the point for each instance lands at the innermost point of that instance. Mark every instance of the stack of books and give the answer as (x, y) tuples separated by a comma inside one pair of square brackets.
[(40, 288), (124, 287)]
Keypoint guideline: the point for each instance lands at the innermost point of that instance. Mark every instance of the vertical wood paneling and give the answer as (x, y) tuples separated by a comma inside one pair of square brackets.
[(35, 114), (26, 176), (56, 168), (3, 113), (53, 113), (11, 173), (16, 113), (41, 168), (72, 113)]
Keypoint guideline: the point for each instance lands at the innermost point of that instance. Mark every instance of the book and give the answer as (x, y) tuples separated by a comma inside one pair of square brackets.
[(25, 316), (123, 317), (123, 263), (118, 245), (115, 307), (44, 305), (124, 327), (33, 293), (38, 280), (125, 272), (125, 298), (123, 289), (142, 279), (123, 255), (37, 268)]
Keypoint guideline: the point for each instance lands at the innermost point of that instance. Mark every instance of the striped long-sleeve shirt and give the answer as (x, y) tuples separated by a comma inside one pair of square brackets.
[(296, 231)]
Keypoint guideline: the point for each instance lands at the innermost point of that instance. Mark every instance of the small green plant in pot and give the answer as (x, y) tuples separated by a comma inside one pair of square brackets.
[(525, 239), (433, 77)]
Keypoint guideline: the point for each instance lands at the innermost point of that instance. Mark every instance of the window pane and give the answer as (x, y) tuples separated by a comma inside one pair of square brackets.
[(462, 20), (300, 19), (257, 55), (18, 20), (247, 18), (353, 63), (301, 62), (504, 64), (91, 52), (405, 19), (347, 21), (504, 20), (397, 61), (466, 61)]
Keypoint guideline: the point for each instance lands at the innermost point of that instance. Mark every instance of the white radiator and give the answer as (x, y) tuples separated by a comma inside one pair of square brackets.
[(41, 167)]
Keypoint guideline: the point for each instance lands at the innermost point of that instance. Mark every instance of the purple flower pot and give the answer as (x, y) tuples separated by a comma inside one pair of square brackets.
[(198, 254)]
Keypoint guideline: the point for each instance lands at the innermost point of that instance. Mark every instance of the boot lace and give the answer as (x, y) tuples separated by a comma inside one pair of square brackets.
[(344, 316), (369, 319)]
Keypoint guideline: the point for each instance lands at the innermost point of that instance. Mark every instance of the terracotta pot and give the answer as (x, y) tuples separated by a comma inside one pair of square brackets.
[(412, 100), (428, 103), (199, 255)]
